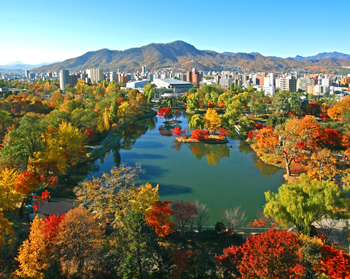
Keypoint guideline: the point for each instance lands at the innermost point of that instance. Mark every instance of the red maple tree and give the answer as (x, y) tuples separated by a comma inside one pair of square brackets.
[(159, 218), (165, 113), (177, 132), (200, 134), (335, 264)]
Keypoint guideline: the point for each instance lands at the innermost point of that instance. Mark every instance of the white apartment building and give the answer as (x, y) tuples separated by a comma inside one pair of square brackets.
[(95, 75)]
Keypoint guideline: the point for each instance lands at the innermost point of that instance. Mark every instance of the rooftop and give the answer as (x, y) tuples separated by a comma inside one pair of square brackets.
[(172, 81), (56, 206)]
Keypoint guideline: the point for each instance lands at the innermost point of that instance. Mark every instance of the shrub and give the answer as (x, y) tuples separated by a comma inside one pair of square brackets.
[(200, 134)]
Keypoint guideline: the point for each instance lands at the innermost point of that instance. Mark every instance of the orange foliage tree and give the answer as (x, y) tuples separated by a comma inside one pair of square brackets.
[(340, 109), (77, 242), (159, 218), (333, 263), (272, 254), (266, 138)]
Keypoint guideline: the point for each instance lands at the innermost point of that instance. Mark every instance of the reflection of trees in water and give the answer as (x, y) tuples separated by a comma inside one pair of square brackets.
[(132, 133), (212, 152), (151, 122), (177, 146), (244, 147), (116, 155), (165, 130), (265, 169)]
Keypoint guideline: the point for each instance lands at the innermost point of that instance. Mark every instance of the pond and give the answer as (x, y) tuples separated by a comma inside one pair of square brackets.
[(219, 175)]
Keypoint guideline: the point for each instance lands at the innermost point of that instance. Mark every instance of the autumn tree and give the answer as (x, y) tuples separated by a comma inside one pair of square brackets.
[(124, 112), (297, 138), (340, 109), (64, 146), (322, 165), (159, 218), (303, 202), (9, 197), (184, 213), (266, 138), (78, 241), (34, 256), (7, 235), (272, 254), (115, 194), (212, 120), (333, 263)]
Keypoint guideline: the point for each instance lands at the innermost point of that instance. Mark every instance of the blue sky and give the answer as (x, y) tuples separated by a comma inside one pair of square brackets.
[(44, 31)]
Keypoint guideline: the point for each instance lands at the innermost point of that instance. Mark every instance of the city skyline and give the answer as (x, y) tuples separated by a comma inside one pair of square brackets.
[(44, 32)]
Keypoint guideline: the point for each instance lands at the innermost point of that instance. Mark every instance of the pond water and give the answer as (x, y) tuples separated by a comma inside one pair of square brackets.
[(219, 175)]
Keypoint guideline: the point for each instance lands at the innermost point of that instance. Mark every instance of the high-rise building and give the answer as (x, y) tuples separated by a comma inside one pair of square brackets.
[(144, 69), (64, 78), (26, 73), (193, 77), (304, 82), (73, 79), (113, 76), (288, 84), (95, 75)]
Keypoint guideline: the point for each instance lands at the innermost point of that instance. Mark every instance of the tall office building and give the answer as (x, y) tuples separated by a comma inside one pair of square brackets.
[(113, 76), (95, 75), (144, 69), (64, 78), (26, 73)]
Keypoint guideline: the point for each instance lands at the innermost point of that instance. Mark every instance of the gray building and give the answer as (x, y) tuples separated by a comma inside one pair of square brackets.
[(64, 78)]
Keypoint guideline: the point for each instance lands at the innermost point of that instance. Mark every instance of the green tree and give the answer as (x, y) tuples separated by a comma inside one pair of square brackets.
[(193, 101), (280, 101), (303, 202), (233, 111), (114, 111), (197, 121), (148, 91), (23, 142), (136, 238)]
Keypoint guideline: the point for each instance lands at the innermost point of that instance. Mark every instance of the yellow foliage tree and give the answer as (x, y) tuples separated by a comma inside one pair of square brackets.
[(322, 165), (8, 195), (6, 233), (34, 255), (124, 111), (212, 120), (115, 194), (64, 146), (106, 119), (142, 198)]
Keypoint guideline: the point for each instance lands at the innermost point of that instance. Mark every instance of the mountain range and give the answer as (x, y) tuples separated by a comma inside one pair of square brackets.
[(23, 66), (183, 55)]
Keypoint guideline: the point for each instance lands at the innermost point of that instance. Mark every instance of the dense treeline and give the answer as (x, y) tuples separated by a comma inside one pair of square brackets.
[(120, 229)]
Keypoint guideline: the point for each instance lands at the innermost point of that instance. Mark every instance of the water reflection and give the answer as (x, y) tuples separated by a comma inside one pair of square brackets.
[(135, 131), (265, 169), (212, 152)]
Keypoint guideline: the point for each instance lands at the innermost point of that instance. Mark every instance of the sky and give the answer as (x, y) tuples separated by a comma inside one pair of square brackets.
[(45, 31)]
